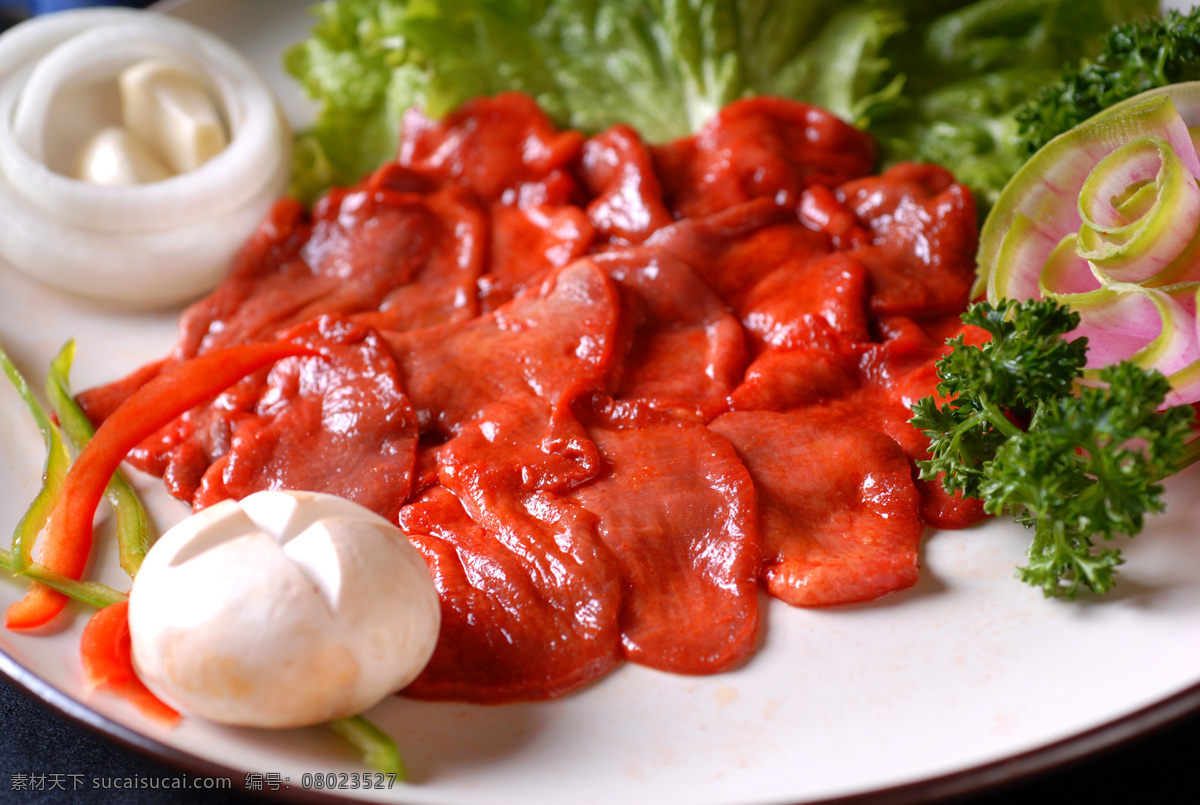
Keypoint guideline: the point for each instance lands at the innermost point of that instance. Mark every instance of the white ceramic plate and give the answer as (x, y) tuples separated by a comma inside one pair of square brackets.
[(968, 678)]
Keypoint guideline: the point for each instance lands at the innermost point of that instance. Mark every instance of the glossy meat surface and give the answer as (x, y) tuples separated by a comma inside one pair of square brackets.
[(608, 387)]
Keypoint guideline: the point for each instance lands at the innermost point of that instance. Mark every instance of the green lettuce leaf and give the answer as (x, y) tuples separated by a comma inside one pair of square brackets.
[(935, 79), (969, 71)]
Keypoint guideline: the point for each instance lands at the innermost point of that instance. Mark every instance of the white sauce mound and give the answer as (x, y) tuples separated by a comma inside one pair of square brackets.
[(284, 610)]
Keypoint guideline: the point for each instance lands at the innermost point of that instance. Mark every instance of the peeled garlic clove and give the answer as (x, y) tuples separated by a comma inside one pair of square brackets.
[(113, 157), (170, 110)]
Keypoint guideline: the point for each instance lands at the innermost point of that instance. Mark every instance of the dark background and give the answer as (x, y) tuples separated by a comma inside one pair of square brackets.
[(1160, 767)]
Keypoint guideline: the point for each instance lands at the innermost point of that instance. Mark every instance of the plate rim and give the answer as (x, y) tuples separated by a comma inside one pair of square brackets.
[(979, 779), (988, 777), (58, 702)]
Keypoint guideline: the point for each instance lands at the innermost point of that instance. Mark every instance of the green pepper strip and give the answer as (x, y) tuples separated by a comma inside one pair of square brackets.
[(133, 537), (89, 592), (378, 750), (58, 460)]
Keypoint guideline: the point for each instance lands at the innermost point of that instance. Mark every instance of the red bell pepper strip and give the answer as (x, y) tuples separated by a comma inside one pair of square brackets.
[(133, 536), (68, 538), (107, 653)]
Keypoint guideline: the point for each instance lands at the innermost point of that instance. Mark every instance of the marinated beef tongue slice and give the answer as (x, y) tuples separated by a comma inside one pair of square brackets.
[(498, 148), (760, 148), (530, 593), (923, 238), (682, 348), (865, 385), (677, 509), (338, 424), (837, 507), (617, 171), (555, 341)]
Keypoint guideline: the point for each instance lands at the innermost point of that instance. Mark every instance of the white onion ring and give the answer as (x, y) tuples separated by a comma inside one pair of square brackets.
[(250, 110), (146, 271), (96, 55), (143, 245), (30, 40)]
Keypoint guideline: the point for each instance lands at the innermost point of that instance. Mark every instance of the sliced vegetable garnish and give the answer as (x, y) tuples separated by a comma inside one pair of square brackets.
[(68, 540), (133, 537), (1044, 199), (105, 648), (20, 560), (1106, 219), (377, 749), (1155, 328), (1139, 208), (87, 592), (53, 473)]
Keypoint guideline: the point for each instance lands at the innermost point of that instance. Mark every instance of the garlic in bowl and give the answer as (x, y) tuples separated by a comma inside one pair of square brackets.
[(67, 78), (169, 125), (285, 609)]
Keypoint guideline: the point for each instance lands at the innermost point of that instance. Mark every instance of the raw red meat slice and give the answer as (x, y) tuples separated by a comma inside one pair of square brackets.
[(686, 351), (414, 257), (530, 594), (808, 303), (677, 509), (492, 146), (778, 380), (521, 442), (617, 171), (760, 148), (866, 385), (837, 507), (527, 243), (315, 417), (735, 249), (556, 344), (820, 209), (895, 374), (507, 634), (924, 236), (268, 282), (442, 286)]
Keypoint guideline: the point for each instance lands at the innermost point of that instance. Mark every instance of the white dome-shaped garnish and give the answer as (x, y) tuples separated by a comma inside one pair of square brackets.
[(286, 609)]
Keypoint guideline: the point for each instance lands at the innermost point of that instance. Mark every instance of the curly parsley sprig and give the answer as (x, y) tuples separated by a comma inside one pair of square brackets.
[(1137, 57), (1069, 463)]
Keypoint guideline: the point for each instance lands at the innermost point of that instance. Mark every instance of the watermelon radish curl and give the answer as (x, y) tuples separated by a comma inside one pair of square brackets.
[(1105, 219)]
